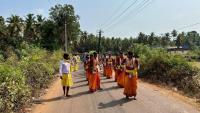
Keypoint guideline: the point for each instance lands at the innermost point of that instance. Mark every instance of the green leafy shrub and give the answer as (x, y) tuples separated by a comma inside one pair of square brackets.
[(159, 66), (14, 93), (39, 67), (37, 76), (25, 76)]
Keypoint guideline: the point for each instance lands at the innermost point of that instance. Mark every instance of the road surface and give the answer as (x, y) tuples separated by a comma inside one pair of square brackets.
[(151, 99)]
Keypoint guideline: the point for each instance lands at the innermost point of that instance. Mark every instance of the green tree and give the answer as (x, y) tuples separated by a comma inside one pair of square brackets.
[(3, 35), (151, 39), (62, 14), (142, 38), (38, 28), (174, 33), (3, 31), (30, 28), (165, 40), (192, 39), (15, 31), (179, 40), (49, 36), (15, 25)]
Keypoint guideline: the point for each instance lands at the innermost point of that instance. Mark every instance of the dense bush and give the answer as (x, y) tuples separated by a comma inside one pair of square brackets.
[(159, 66), (39, 66), (14, 93), (37, 76), (24, 77), (193, 55)]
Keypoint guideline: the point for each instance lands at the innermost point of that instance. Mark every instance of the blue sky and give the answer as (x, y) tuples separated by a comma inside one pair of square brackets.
[(159, 16)]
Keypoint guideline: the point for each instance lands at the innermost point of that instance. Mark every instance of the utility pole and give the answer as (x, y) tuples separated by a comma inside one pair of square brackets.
[(99, 45), (66, 36)]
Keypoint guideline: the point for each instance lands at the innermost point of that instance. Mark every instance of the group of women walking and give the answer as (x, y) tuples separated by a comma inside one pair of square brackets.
[(92, 69), (124, 68)]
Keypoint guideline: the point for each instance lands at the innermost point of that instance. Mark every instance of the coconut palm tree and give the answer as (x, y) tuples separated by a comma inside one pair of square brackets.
[(15, 25), (174, 33), (151, 38), (2, 27), (30, 25), (38, 27)]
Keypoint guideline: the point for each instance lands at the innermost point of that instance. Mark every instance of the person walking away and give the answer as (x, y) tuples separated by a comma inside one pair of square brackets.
[(131, 76), (109, 67), (76, 66), (94, 81), (72, 64), (65, 74), (86, 67), (116, 67), (104, 64), (121, 70)]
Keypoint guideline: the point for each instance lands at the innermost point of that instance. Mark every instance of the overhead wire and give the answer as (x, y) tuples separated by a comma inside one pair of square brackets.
[(113, 14), (188, 26), (139, 8), (123, 12)]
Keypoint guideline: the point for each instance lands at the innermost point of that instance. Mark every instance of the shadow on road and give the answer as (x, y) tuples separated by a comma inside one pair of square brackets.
[(114, 103), (110, 88), (80, 81), (83, 85), (103, 78), (40, 101), (79, 77), (108, 82)]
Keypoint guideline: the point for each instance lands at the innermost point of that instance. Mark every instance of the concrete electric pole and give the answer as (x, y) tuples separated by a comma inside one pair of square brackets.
[(66, 37), (99, 45)]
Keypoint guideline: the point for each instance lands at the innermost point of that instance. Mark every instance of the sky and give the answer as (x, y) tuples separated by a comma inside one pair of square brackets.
[(118, 18)]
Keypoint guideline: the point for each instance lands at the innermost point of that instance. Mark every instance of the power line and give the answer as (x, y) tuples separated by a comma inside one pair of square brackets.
[(114, 13), (141, 7), (191, 25), (114, 23), (124, 11)]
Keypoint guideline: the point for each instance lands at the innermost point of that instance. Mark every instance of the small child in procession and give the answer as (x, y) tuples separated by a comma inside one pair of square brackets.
[(65, 74)]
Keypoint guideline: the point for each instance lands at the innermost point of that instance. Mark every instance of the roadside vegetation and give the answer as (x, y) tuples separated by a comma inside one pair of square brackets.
[(20, 80), (159, 66)]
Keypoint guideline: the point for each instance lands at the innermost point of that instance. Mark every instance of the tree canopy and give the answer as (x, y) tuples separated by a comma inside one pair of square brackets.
[(49, 33)]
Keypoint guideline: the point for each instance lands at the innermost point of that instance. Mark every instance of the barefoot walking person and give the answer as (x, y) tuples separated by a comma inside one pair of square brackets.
[(131, 76), (65, 74), (94, 80), (76, 65), (104, 64), (109, 69), (86, 66), (116, 67), (121, 71)]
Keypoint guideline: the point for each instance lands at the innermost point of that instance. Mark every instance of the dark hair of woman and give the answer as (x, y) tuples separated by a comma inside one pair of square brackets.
[(130, 53), (136, 62), (95, 54), (66, 56), (91, 55)]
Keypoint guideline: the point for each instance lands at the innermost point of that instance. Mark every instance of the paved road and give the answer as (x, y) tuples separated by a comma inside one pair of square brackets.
[(109, 100)]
